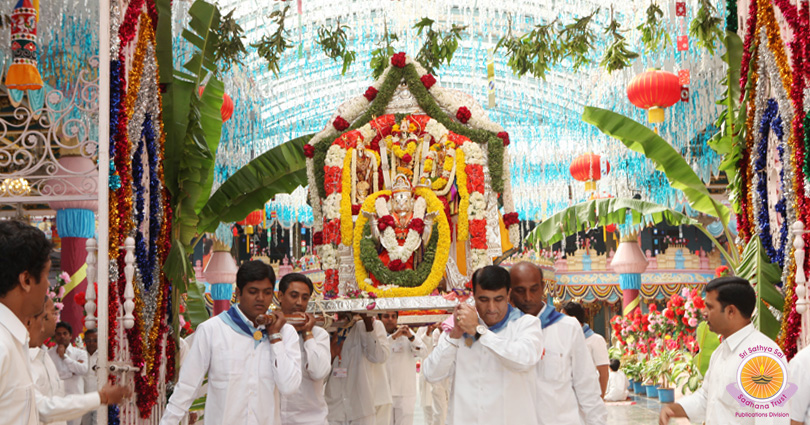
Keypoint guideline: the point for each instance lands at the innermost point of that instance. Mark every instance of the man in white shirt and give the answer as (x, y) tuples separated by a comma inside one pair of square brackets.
[(492, 352), (71, 362), (405, 348), (350, 388), (799, 374), (730, 302), (435, 396), (54, 405), (248, 364), (307, 405), (596, 344), (566, 377), (617, 383), (24, 268), (91, 378)]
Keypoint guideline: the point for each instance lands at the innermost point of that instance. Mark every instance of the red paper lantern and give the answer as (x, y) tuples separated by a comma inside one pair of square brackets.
[(589, 168), (654, 90), (252, 219), (227, 105)]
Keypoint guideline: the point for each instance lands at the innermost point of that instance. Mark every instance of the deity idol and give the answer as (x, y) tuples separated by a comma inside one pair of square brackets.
[(364, 173)]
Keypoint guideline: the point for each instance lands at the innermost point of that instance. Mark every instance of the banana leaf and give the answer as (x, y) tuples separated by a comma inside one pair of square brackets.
[(641, 139), (708, 341), (195, 304), (756, 267), (279, 170), (601, 212)]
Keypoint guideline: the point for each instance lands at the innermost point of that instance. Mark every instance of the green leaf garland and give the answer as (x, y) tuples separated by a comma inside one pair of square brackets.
[(403, 278)]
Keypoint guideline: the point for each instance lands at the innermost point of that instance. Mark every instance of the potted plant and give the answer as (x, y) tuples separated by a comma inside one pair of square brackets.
[(687, 374), (650, 376), (631, 369), (666, 361)]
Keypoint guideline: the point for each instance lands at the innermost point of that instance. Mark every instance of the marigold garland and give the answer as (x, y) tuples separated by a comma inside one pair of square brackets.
[(346, 200), (464, 198), (439, 262)]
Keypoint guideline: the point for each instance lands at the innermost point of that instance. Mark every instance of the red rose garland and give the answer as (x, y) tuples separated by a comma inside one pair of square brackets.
[(505, 137), (428, 80), (510, 219), (385, 222), (417, 225), (317, 238), (398, 60), (309, 151), (340, 124), (463, 114), (370, 93)]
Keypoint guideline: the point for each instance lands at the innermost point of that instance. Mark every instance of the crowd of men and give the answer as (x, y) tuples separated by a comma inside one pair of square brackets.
[(507, 357)]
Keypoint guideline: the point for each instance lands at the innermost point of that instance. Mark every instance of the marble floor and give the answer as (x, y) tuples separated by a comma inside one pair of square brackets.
[(643, 412)]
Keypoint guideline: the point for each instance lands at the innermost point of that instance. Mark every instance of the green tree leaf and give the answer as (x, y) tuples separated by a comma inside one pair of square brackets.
[(757, 269), (279, 170), (708, 341)]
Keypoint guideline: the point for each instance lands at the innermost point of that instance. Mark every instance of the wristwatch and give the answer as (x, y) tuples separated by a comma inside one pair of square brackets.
[(480, 330)]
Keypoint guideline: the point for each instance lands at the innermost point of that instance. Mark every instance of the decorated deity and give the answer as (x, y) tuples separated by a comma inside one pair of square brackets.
[(365, 164), (439, 167), (405, 145)]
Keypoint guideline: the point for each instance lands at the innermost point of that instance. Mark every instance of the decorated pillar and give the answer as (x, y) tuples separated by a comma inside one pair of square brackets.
[(221, 274), (629, 263), (75, 222)]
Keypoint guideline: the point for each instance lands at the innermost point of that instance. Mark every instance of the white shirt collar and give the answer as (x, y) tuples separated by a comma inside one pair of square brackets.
[(242, 315), (14, 325), (738, 337)]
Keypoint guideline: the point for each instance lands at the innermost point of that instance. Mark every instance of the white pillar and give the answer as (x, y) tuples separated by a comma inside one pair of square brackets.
[(103, 195)]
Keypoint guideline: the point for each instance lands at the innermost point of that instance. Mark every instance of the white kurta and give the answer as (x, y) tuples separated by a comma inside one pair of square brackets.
[(244, 380), (402, 376), (72, 368), (17, 395), (617, 386), (566, 378), (495, 379), (349, 389), (307, 406), (712, 403), (598, 347), (91, 385), (799, 374), (54, 405)]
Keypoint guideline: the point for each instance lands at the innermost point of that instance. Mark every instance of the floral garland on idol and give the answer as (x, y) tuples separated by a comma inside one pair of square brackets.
[(401, 283), (360, 114), (136, 151)]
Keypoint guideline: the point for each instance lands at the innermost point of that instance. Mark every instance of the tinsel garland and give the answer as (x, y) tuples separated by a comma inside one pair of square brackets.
[(807, 145), (731, 15), (748, 43), (112, 415), (770, 121)]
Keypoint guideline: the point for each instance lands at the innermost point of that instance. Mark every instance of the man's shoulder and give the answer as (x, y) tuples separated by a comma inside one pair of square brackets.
[(318, 331)]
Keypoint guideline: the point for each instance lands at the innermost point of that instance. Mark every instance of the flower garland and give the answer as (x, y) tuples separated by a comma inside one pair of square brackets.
[(476, 205), (346, 200), (400, 254), (396, 278), (433, 204)]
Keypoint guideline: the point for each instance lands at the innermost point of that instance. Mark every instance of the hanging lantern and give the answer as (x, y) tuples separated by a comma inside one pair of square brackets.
[(23, 73), (252, 219), (654, 90), (589, 168), (227, 105)]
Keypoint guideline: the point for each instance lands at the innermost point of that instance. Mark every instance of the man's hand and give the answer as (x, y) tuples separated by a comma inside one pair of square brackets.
[(60, 350), (457, 332), (113, 394), (278, 322), (467, 318), (310, 323), (669, 411), (433, 327), (402, 331), (368, 321)]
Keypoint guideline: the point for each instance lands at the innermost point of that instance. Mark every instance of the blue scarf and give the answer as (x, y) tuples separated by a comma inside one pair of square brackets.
[(549, 316), (237, 322), (588, 331), (511, 315)]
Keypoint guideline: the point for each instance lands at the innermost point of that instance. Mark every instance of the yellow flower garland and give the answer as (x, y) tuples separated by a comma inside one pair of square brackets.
[(410, 148), (439, 261), (464, 195), (428, 167), (439, 183), (346, 200)]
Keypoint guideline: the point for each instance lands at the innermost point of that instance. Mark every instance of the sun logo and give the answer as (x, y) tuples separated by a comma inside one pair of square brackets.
[(761, 377)]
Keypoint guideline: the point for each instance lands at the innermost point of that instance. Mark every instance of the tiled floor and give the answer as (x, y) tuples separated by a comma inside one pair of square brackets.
[(644, 412)]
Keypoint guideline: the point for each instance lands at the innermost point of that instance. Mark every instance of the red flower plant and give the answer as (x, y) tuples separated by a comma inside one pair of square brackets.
[(385, 222), (407, 158), (463, 114), (510, 219), (505, 137), (340, 123), (356, 209), (396, 265), (398, 60), (417, 225), (478, 228), (80, 299), (309, 151), (370, 93), (475, 178), (428, 80), (317, 238), (721, 271)]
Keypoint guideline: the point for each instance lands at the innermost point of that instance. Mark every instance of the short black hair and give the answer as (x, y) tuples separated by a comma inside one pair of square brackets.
[(65, 325), (253, 271), (289, 278), (90, 332), (736, 291), (615, 364), (22, 248), (491, 278), (574, 309), (379, 315)]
